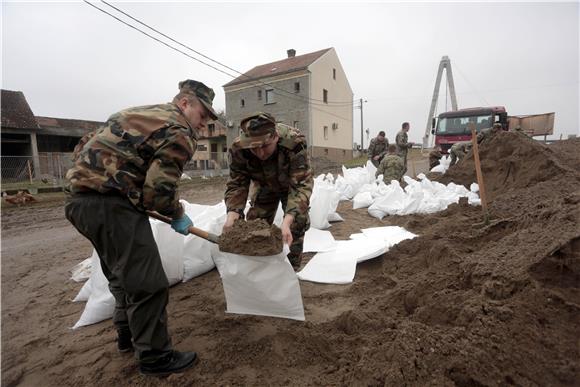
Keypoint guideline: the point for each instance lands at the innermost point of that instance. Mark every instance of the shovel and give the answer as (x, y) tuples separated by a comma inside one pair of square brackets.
[(248, 244), (192, 230)]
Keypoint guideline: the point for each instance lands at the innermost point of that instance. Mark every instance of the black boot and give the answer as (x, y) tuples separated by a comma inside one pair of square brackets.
[(175, 362), (124, 342)]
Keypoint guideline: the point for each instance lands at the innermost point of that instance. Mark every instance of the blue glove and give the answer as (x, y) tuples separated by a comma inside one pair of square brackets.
[(182, 225)]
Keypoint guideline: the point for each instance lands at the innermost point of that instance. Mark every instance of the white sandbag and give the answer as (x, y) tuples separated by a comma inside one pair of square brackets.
[(318, 240), (391, 235), (323, 197), (363, 249), (362, 200), (263, 286), (335, 217), (101, 303), (85, 292), (82, 271), (170, 246), (333, 267), (474, 187)]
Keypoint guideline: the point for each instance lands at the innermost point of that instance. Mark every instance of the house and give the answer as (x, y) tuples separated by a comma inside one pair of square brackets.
[(211, 151), (310, 92), (33, 146)]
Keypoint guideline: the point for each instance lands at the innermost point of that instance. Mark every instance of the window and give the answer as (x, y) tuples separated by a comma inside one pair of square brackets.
[(334, 74), (344, 152), (270, 96), (326, 151), (201, 147), (259, 95), (297, 87), (326, 132), (242, 103), (325, 95), (211, 128), (295, 124)]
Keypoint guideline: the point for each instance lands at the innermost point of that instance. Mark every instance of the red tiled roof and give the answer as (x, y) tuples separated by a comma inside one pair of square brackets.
[(66, 123), (280, 67), (16, 112)]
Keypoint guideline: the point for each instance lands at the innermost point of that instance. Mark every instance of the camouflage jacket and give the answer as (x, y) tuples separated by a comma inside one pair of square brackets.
[(402, 141), (392, 168), (287, 170), (140, 152), (460, 147), (378, 148)]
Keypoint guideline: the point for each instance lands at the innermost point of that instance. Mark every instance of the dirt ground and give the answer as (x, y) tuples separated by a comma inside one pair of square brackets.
[(464, 304)]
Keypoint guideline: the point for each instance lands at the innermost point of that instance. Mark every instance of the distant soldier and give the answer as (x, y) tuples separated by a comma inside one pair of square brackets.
[(488, 133), (378, 148), (402, 143), (435, 157), (274, 158), (391, 167), (458, 151), (131, 164)]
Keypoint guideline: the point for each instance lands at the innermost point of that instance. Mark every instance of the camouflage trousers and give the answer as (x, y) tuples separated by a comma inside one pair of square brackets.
[(131, 263), (403, 155), (264, 204)]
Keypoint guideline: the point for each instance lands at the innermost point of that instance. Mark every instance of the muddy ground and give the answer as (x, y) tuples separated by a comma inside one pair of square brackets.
[(464, 304)]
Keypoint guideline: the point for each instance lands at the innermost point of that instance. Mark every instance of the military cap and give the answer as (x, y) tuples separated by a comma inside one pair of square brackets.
[(382, 133), (497, 125), (202, 92), (257, 129)]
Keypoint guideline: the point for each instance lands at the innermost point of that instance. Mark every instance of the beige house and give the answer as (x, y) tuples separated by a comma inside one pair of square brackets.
[(211, 153), (310, 92)]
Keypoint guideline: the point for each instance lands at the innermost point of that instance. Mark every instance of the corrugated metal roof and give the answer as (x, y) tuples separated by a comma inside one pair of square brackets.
[(280, 67)]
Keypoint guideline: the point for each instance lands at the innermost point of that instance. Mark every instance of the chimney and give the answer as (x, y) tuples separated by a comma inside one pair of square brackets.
[(291, 53)]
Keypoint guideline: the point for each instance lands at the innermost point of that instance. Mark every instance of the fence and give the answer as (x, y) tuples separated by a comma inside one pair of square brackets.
[(50, 169)]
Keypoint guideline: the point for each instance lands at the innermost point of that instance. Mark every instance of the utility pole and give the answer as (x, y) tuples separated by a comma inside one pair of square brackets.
[(361, 124)]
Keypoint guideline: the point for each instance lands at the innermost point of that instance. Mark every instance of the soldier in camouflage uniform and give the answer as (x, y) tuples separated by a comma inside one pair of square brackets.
[(378, 148), (458, 151), (273, 157), (129, 165), (488, 132), (402, 143), (391, 167)]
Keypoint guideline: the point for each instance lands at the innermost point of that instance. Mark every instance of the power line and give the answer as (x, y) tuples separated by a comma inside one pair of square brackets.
[(312, 105), (345, 103)]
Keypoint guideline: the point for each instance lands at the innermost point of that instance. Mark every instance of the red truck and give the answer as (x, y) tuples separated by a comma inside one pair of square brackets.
[(451, 127)]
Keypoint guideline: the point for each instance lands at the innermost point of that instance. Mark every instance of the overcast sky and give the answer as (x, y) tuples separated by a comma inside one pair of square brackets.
[(72, 61)]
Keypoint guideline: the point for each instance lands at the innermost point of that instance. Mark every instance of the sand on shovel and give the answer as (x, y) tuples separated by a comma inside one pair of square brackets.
[(253, 237)]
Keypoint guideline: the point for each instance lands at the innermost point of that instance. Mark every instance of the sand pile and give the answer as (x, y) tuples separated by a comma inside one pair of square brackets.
[(511, 160)]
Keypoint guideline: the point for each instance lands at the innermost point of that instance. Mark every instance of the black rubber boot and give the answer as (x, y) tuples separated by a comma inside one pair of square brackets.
[(124, 342), (175, 362)]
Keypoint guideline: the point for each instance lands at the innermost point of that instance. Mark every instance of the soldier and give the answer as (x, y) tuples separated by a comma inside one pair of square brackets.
[(434, 157), (129, 165), (274, 158), (402, 143), (392, 166), (458, 151), (488, 132), (378, 148)]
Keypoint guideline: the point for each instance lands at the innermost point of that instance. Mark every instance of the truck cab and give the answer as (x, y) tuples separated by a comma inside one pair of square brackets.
[(451, 127)]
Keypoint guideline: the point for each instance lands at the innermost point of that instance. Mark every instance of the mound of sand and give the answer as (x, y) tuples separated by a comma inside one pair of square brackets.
[(511, 160)]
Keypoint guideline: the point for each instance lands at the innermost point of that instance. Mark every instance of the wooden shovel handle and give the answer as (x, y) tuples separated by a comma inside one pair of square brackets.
[(192, 230)]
